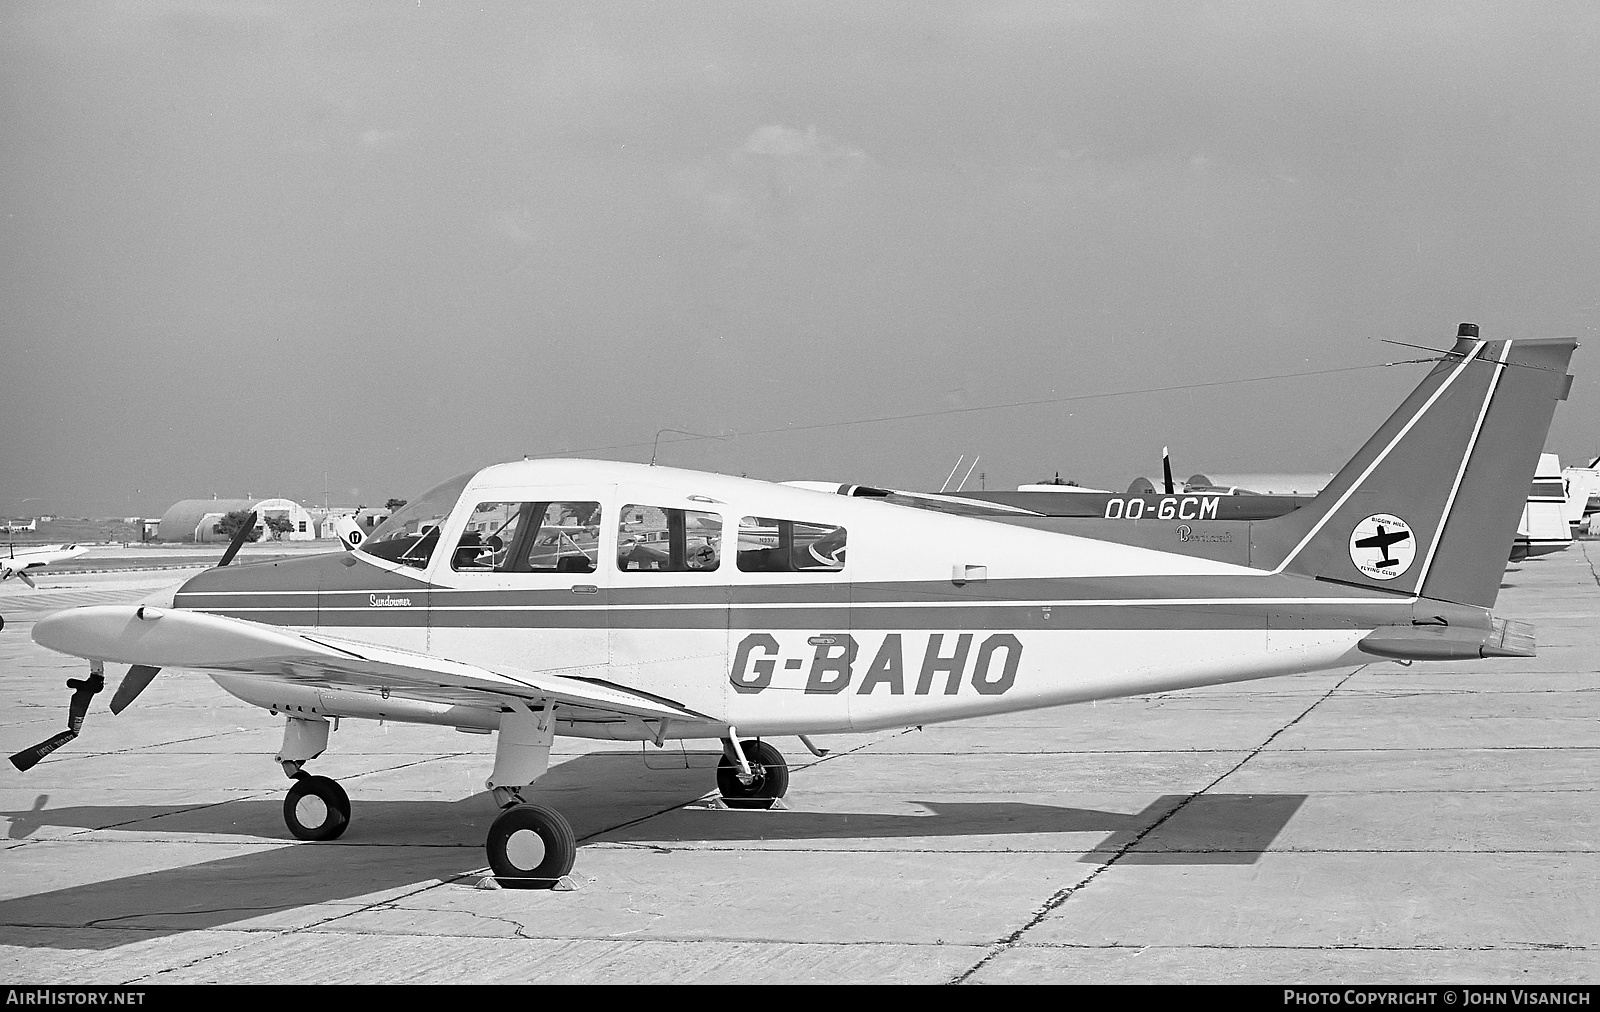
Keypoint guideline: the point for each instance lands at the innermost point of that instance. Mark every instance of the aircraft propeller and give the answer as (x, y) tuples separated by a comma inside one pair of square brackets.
[(134, 682), (83, 690), (1166, 470)]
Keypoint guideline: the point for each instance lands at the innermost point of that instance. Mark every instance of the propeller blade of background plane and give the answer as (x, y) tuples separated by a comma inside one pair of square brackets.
[(25, 578), (238, 539), (1166, 469), (133, 683)]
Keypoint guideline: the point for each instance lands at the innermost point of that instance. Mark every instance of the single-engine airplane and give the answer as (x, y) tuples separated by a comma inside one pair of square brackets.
[(834, 613), (17, 564)]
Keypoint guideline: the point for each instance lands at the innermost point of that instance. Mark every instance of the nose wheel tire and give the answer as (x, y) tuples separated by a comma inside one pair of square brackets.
[(771, 777), (530, 847), (316, 808)]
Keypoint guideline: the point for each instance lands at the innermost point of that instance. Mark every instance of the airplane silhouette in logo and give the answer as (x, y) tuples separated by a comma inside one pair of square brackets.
[(1381, 541)]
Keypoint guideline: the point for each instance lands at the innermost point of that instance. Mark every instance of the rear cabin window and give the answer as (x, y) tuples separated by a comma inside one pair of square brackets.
[(529, 537), (767, 545), (654, 539)]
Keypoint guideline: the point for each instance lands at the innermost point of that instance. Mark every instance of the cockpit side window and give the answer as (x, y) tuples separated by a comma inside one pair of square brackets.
[(563, 537), (529, 537), (411, 534), (489, 537), (662, 540), (767, 545)]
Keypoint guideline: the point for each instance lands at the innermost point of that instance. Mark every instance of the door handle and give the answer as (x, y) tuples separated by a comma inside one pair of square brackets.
[(585, 588)]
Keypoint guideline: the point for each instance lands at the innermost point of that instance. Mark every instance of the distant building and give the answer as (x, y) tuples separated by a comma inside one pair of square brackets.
[(369, 517), (324, 518), (1260, 484), (1058, 486), (200, 520)]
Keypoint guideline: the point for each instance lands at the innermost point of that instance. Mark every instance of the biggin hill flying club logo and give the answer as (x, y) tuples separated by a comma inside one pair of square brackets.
[(1382, 547)]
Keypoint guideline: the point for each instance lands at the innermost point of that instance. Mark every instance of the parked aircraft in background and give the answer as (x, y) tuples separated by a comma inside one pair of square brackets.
[(1543, 528), (1582, 485), (834, 613), (21, 563), (1205, 519)]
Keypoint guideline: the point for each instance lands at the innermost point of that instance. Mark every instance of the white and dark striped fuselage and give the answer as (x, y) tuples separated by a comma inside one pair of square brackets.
[(931, 618)]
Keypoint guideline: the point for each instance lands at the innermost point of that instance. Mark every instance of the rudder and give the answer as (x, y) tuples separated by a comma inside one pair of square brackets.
[(1429, 505)]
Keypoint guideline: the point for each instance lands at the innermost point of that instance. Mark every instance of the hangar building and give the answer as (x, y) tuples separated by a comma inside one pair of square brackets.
[(200, 520)]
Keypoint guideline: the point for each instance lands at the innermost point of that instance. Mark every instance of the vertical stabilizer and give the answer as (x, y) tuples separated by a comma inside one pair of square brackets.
[(1430, 504)]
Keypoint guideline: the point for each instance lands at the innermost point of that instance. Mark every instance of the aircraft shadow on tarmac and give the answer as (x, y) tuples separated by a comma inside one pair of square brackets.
[(609, 798)]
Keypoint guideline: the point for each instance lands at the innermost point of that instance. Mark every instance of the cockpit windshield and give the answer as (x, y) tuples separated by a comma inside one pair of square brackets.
[(411, 534)]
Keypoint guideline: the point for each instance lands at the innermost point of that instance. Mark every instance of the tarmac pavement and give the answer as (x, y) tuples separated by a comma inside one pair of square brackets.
[(1430, 824)]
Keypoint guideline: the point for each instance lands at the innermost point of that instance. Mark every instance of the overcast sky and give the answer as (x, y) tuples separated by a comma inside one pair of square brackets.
[(245, 244)]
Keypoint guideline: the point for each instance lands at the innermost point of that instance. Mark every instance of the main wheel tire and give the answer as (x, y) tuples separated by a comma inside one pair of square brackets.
[(771, 782), (531, 847), (316, 808)]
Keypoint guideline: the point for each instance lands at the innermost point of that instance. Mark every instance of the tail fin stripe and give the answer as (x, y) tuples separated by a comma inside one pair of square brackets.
[(1461, 473), (1355, 486)]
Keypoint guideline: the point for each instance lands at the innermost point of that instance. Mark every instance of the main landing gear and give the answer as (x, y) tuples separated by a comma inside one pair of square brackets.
[(529, 846), (755, 776), (316, 808)]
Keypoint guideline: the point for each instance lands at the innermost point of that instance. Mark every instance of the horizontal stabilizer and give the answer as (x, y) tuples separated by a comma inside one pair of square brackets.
[(1449, 643)]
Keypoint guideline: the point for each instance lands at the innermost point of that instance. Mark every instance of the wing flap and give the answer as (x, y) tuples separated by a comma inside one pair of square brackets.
[(166, 638)]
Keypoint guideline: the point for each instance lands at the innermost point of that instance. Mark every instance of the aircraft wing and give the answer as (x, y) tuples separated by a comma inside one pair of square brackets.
[(176, 638)]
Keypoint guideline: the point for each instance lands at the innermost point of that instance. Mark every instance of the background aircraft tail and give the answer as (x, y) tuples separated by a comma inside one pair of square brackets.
[(1430, 504)]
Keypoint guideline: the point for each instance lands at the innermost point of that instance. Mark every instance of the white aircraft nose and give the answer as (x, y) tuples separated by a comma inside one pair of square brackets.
[(162, 598)]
